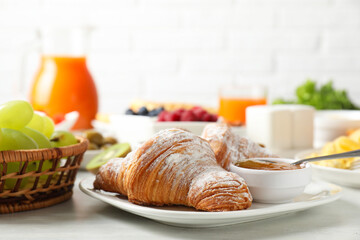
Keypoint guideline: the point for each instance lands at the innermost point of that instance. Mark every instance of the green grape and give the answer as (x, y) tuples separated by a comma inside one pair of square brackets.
[(37, 123), (15, 114), (49, 126), (15, 167), (43, 142), (62, 139), (12, 139), (38, 137), (47, 164), (15, 140), (43, 124)]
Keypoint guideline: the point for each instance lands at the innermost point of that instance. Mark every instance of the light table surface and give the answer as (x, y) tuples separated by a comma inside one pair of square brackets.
[(83, 217)]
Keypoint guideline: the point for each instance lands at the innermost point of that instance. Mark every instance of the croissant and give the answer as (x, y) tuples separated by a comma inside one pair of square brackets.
[(229, 147), (175, 167)]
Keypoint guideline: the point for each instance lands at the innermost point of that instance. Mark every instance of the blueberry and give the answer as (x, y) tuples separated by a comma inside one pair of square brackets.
[(152, 113), (143, 111), (156, 112), (160, 109), (130, 112)]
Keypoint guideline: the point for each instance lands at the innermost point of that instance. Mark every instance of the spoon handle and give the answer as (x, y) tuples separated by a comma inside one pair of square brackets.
[(349, 154)]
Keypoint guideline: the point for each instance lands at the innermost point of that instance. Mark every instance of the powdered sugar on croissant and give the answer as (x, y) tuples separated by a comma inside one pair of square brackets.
[(229, 147), (175, 167)]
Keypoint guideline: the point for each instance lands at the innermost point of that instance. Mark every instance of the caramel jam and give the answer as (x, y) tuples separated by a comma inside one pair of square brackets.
[(262, 165)]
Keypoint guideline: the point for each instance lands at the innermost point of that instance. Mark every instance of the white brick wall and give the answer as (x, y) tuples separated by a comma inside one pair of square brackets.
[(274, 39), (227, 63), (178, 40), (184, 50)]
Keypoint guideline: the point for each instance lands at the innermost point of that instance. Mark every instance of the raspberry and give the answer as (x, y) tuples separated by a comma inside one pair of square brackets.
[(187, 116), (197, 107), (180, 110), (199, 113), (206, 117), (162, 116), (173, 116), (214, 118)]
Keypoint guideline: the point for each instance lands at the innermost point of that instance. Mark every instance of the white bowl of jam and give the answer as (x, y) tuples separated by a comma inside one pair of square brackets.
[(274, 180)]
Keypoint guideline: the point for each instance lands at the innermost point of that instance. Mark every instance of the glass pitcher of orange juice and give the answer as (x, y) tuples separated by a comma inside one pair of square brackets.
[(63, 82), (234, 99)]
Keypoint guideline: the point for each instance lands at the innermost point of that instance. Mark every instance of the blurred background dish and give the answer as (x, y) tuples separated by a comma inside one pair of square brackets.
[(140, 128), (101, 148), (339, 171), (330, 124), (344, 177)]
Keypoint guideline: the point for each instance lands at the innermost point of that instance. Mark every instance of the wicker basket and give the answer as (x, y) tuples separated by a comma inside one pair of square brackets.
[(44, 187)]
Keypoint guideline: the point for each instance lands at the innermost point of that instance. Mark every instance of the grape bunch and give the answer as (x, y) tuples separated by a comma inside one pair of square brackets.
[(21, 128)]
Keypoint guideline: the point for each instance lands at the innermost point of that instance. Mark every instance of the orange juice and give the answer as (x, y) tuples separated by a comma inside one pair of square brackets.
[(233, 109), (63, 85)]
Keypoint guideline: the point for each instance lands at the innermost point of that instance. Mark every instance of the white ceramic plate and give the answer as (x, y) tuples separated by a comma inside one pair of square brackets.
[(315, 194), (344, 177)]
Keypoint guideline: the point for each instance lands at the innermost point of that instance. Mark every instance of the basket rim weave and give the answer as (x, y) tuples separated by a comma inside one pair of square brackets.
[(47, 153)]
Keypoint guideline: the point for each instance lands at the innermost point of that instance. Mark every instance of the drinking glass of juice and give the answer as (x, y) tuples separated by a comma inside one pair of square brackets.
[(234, 100)]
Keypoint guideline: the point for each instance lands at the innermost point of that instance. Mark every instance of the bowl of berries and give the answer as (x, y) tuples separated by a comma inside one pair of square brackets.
[(138, 124)]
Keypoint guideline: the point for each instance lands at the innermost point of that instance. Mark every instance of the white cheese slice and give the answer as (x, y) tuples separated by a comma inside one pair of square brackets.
[(281, 127), (303, 126), (269, 126)]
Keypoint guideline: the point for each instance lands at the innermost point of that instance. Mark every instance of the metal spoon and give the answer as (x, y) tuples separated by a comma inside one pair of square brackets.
[(355, 165), (349, 154)]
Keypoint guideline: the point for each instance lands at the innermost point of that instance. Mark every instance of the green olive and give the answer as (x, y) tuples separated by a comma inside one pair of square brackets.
[(110, 140), (93, 146), (94, 137)]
